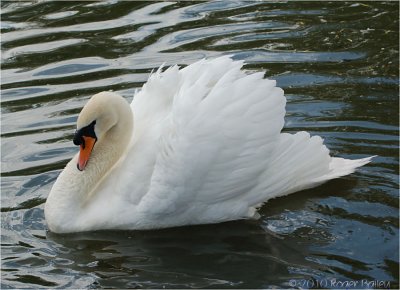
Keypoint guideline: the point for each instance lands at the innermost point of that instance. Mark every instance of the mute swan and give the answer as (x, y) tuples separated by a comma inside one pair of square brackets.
[(197, 145)]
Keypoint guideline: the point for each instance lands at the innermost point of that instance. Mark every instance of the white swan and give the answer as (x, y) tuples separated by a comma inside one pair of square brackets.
[(206, 147)]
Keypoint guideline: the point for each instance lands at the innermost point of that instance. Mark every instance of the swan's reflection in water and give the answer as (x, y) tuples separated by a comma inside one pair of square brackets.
[(199, 256)]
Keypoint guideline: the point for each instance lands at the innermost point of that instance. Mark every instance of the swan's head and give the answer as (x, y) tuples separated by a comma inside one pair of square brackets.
[(100, 116)]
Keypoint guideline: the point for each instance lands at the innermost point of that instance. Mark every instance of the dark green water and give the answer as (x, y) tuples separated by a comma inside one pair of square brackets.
[(338, 64)]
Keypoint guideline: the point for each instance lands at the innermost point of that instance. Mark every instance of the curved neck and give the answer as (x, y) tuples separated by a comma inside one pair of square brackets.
[(73, 188)]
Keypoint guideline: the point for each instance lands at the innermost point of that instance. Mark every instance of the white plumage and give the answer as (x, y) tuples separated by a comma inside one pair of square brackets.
[(206, 147)]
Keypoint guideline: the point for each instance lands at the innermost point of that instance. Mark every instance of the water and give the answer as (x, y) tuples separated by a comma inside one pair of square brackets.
[(338, 63)]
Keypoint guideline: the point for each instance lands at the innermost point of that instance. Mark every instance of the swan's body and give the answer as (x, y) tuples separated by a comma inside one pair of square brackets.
[(198, 145)]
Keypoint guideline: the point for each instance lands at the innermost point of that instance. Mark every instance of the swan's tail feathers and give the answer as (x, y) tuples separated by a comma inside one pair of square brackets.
[(300, 162), (340, 167)]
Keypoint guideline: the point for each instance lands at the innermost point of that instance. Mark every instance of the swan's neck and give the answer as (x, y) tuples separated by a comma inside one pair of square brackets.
[(73, 190)]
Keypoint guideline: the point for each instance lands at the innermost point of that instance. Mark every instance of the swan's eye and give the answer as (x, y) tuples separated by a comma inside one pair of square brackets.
[(87, 131)]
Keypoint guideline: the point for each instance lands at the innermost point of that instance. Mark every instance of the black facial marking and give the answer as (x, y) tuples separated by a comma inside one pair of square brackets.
[(87, 131)]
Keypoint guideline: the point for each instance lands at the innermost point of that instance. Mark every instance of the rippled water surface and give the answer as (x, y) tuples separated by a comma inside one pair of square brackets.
[(338, 64)]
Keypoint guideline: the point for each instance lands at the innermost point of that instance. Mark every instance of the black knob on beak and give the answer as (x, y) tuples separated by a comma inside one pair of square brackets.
[(78, 138)]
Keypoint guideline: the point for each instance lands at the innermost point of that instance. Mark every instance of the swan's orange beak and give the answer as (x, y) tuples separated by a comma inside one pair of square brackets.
[(85, 151)]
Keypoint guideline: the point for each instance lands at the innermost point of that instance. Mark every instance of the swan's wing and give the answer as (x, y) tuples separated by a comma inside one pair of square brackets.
[(214, 140), (209, 147)]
